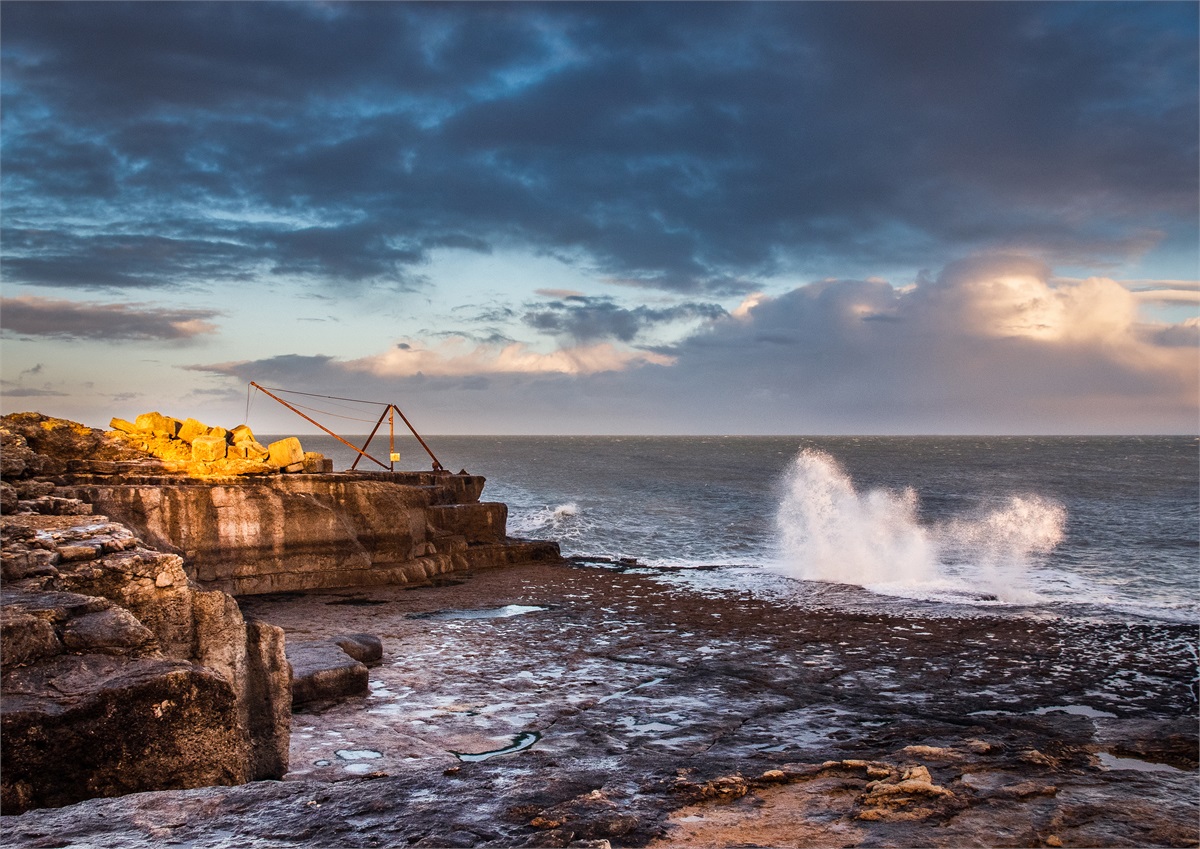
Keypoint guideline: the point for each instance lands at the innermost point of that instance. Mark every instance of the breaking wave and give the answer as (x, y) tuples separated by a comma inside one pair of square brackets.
[(829, 531), (558, 522)]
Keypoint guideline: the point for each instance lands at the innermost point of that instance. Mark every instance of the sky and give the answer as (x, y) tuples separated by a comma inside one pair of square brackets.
[(611, 218)]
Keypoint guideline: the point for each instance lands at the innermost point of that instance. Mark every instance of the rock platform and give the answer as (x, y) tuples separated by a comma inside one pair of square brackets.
[(569, 705), (248, 533)]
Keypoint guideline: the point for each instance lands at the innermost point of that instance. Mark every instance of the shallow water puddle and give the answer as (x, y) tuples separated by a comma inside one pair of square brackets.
[(1112, 762), (1078, 710), (519, 744), (357, 754), (359, 760), (481, 613)]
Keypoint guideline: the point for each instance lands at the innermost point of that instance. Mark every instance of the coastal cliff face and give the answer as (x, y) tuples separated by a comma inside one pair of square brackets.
[(253, 533), (265, 534), (119, 674)]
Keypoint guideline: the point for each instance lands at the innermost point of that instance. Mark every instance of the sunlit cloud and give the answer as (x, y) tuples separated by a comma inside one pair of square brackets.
[(742, 310), (1025, 304), (458, 356), (1167, 296)]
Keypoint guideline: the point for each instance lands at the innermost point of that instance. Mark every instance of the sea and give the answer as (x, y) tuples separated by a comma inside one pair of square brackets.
[(1104, 528)]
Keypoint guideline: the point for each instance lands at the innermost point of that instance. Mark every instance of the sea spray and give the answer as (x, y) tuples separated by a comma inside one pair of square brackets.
[(994, 551), (829, 531), (563, 512)]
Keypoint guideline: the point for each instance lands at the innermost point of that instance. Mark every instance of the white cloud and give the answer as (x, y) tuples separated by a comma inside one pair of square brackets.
[(993, 344), (1168, 296)]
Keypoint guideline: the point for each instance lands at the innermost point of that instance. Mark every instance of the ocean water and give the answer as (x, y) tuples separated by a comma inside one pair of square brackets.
[(1083, 526)]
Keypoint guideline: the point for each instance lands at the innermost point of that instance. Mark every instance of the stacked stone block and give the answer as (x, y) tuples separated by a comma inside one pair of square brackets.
[(203, 450)]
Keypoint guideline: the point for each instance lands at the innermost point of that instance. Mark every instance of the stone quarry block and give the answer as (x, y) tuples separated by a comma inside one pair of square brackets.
[(365, 648), (241, 433), (285, 452), (237, 466), (247, 451), (208, 449), (123, 426), (322, 671), (316, 463), (158, 424), (192, 428)]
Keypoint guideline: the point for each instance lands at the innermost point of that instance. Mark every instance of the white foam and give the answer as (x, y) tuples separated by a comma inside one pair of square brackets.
[(560, 520)]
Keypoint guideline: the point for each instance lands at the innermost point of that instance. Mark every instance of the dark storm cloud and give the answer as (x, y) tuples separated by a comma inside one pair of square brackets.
[(691, 147), (119, 261), (59, 319), (587, 319)]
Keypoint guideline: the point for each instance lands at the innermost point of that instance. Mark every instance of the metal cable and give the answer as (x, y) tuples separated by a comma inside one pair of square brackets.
[(331, 397)]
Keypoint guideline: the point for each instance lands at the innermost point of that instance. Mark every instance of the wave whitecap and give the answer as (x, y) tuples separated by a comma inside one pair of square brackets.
[(559, 520)]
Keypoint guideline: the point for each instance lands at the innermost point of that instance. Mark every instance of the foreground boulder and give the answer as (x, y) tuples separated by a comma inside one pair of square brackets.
[(323, 671), (80, 726)]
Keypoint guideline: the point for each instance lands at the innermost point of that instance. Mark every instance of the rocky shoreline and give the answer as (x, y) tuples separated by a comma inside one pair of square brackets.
[(661, 710), (127, 663), (404, 691)]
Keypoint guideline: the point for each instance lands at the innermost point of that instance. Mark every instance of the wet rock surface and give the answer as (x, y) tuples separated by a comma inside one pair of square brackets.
[(698, 711)]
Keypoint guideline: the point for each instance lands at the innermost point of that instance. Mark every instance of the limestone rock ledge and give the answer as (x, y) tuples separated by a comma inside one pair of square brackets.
[(119, 675), (126, 662), (249, 535)]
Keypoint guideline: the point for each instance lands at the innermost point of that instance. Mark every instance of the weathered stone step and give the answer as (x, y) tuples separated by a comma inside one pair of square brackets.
[(511, 553), (323, 671)]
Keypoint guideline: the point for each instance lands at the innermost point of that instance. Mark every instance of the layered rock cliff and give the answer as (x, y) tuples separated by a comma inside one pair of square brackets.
[(294, 532), (119, 674), (263, 533)]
